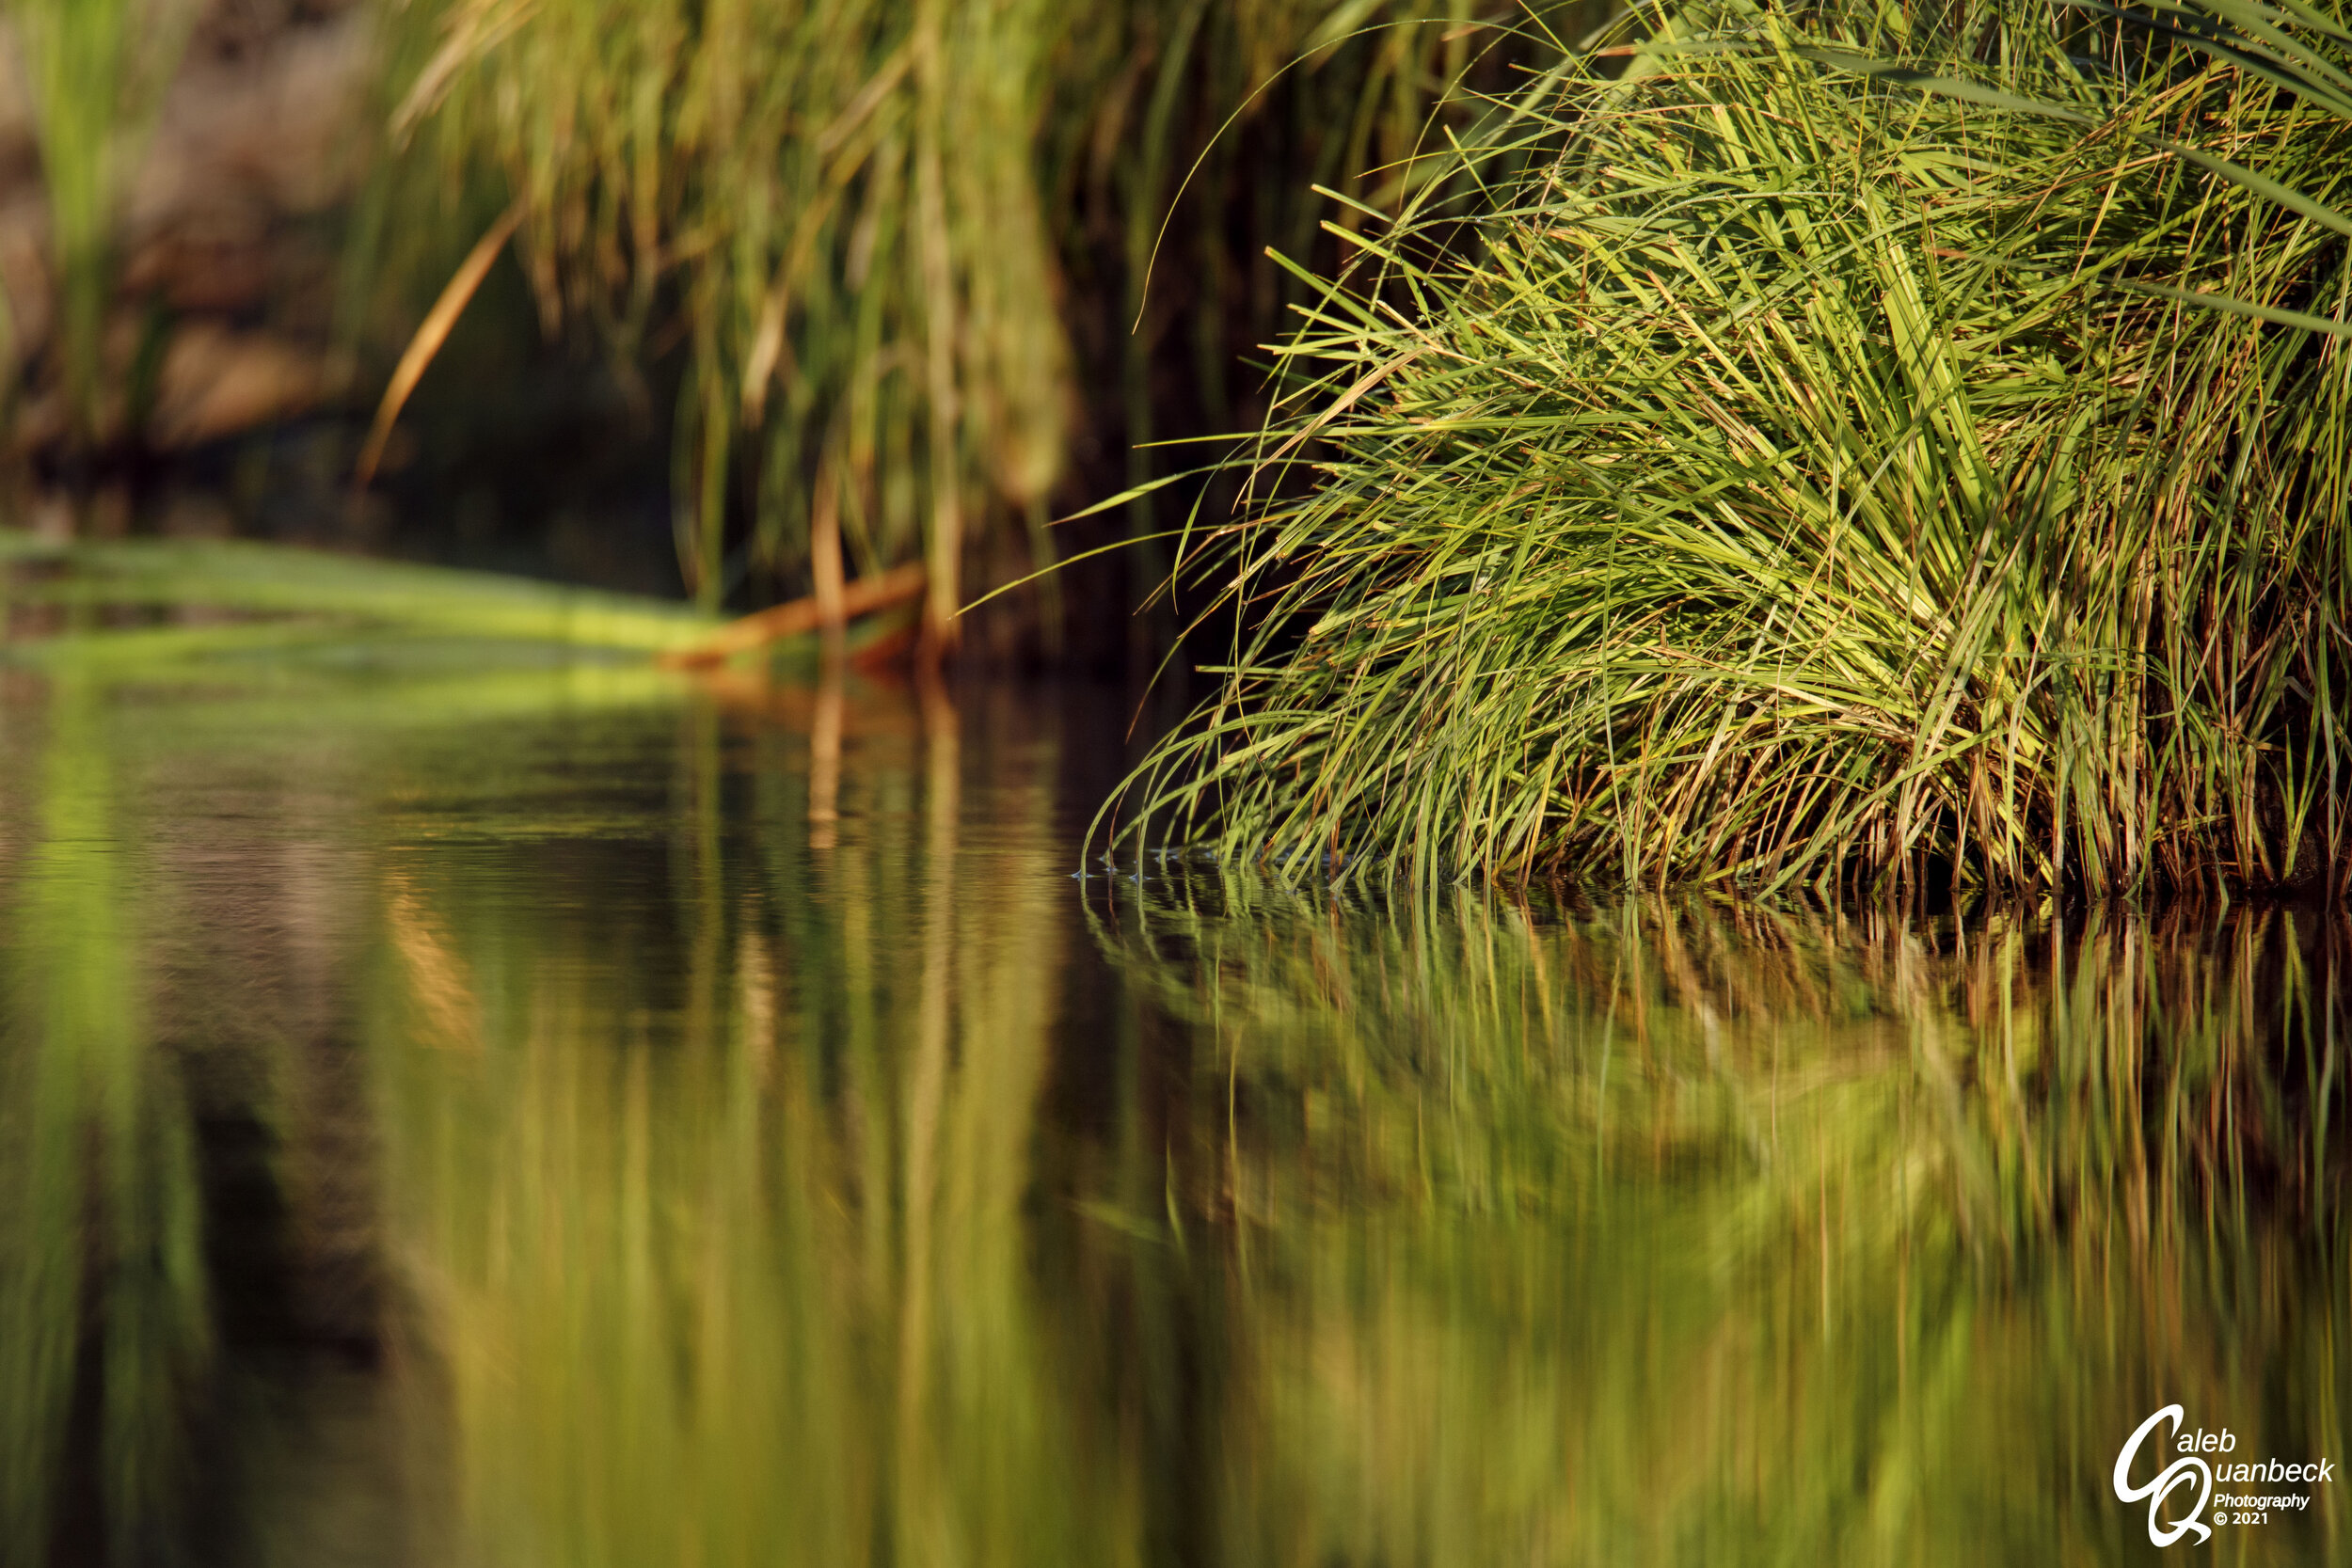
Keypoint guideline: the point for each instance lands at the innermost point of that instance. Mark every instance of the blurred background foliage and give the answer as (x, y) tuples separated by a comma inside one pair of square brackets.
[(793, 290)]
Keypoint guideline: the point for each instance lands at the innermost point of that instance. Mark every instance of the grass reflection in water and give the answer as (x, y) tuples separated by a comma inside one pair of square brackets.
[(770, 1154), (101, 1278), (1651, 1231)]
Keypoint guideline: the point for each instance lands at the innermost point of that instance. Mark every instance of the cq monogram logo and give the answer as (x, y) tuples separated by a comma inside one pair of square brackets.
[(2183, 1471)]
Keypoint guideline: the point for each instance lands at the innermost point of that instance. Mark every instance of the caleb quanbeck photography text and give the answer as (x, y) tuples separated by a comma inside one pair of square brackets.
[(2195, 1476)]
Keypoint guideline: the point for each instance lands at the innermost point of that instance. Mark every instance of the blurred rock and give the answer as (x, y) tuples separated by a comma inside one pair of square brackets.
[(195, 515), (215, 382), (263, 123), (224, 267), (52, 517)]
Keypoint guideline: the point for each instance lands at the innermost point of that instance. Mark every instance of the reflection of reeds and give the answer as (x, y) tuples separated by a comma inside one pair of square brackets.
[(814, 1202), (177, 1074), (1636, 1231), (725, 1258), (103, 1296)]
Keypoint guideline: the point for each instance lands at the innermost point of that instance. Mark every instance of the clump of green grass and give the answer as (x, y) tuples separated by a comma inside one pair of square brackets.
[(861, 218), (1857, 455)]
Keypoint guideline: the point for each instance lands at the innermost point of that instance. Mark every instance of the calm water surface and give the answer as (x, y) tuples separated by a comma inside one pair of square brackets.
[(472, 1115)]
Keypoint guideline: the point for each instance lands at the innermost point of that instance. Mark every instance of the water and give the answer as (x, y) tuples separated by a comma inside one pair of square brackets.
[(458, 1114)]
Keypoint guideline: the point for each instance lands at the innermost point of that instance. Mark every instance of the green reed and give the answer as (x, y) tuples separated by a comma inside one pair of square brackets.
[(1855, 454), (140, 606), (96, 69)]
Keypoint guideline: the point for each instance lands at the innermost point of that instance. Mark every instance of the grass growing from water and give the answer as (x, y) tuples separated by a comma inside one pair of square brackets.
[(1856, 454)]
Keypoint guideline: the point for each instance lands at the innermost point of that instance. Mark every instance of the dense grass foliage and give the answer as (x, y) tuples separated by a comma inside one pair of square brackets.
[(862, 218), (1854, 457)]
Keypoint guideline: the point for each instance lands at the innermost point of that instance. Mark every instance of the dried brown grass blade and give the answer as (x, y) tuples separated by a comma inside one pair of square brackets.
[(899, 585), (431, 336)]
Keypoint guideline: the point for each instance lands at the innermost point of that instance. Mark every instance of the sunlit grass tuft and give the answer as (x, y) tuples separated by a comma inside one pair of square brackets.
[(1817, 477)]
